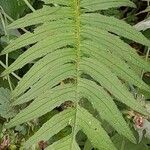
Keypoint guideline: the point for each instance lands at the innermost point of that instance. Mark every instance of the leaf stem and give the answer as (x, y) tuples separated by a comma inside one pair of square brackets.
[(5, 31), (147, 53), (123, 144), (11, 19), (6, 34), (29, 5), (8, 77), (16, 76), (146, 58)]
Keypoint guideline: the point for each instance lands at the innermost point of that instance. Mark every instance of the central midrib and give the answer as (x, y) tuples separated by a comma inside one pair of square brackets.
[(77, 44)]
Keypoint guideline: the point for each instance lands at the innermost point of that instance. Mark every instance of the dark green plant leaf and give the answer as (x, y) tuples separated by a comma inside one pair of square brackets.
[(6, 110), (119, 140)]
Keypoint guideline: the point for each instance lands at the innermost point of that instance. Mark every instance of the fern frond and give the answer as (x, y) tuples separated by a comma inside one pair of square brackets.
[(73, 41)]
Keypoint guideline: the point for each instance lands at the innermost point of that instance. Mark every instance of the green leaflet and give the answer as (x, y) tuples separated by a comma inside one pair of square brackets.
[(45, 14), (58, 122), (63, 144), (53, 126), (20, 42), (103, 4), (60, 2), (44, 103), (73, 41), (40, 49), (114, 25), (101, 100), (55, 59), (92, 128), (114, 45), (30, 38), (108, 80), (51, 80), (119, 67)]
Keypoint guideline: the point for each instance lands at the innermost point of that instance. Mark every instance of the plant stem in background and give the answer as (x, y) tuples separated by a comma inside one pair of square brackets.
[(8, 77), (10, 19), (148, 51), (122, 144), (16, 76), (5, 31), (146, 58), (29, 5)]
